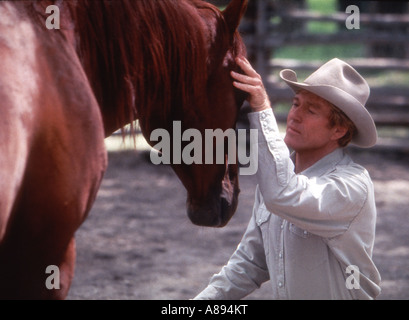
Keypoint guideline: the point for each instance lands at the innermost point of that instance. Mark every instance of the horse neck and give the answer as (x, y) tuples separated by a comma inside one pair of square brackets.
[(139, 57)]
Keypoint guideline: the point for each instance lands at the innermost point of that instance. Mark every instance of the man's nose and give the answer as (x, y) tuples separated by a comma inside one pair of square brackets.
[(296, 114)]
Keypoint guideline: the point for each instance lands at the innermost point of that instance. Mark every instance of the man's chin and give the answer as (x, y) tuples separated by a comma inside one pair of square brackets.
[(289, 141)]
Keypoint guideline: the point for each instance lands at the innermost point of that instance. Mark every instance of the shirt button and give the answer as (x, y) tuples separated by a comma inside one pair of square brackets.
[(280, 284), (280, 255), (263, 115), (305, 232)]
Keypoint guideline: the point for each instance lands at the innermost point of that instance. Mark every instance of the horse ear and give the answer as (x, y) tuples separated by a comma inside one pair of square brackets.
[(233, 14)]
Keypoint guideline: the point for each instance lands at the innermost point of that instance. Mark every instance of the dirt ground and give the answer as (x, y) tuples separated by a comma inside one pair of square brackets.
[(138, 243)]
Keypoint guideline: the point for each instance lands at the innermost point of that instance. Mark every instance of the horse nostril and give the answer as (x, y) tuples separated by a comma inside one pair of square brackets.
[(203, 217), (215, 213)]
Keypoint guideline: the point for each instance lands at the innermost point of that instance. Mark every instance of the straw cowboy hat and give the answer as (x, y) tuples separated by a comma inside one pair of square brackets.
[(340, 84)]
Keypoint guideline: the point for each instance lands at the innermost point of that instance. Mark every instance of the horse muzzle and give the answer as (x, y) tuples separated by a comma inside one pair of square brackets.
[(219, 206)]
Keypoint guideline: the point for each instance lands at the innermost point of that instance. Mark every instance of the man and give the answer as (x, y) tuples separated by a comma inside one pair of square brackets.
[(313, 223)]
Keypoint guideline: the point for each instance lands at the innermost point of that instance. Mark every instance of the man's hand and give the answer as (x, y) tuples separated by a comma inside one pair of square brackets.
[(251, 83)]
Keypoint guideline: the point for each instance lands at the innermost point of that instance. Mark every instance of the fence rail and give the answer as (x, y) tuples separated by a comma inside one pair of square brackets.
[(378, 19), (366, 64)]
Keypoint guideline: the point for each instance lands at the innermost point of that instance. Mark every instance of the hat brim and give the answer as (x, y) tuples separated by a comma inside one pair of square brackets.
[(366, 136)]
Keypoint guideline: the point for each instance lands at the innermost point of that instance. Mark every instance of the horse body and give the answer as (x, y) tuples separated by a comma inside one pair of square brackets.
[(52, 155), (62, 92)]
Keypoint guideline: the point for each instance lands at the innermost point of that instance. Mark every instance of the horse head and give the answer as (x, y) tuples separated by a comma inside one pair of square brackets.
[(213, 189), (167, 61), (212, 103)]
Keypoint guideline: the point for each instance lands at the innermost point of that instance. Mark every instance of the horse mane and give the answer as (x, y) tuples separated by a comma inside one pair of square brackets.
[(146, 60)]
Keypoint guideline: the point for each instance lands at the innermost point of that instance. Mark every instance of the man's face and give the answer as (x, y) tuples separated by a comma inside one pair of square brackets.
[(308, 127)]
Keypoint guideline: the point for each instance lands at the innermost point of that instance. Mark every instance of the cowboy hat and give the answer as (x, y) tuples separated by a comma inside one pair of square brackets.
[(340, 84)]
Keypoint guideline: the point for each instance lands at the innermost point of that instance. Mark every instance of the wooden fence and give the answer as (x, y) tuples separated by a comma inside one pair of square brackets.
[(273, 24)]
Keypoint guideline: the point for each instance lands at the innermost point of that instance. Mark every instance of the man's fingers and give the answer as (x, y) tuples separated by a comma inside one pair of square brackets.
[(245, 87), (245, 79), (251, 83), (256, 94), (245, 65)]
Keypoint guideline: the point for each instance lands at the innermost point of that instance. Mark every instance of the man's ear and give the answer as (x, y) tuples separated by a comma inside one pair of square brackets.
[(338, 132)]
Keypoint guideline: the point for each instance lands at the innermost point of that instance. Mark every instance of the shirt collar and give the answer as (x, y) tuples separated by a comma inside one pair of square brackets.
[(325, 164)]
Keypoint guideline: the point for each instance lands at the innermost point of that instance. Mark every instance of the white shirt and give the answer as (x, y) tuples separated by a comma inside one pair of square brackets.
[(311, 234)]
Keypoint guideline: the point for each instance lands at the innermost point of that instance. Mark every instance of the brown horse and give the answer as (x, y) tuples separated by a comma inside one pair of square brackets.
[(63, 91)]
